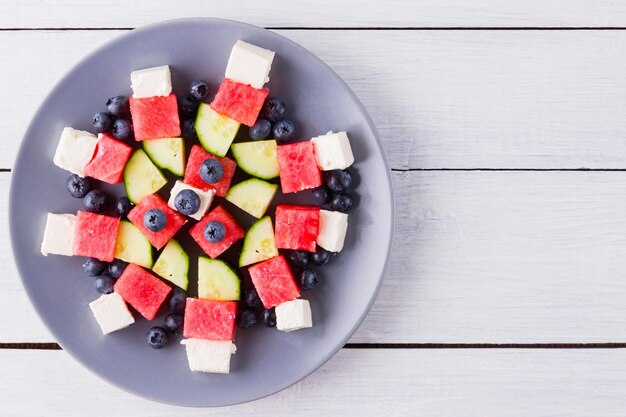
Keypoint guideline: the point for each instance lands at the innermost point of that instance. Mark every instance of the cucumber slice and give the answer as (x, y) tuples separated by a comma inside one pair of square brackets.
[(132, 246), (173, 264), (257, 158), (141, 177), (167, 153), (252, 196), (215, 131), (217, 280), (259, 243)]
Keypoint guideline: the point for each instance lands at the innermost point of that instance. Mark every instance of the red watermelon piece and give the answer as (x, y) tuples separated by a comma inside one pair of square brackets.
[(142, 290), (109, 160), (95, 235), (210, 319), (175, 220), (274, 281), (155, 117), (238, 101), (298, 167), (234, 232), (192, 173), (296, 227)]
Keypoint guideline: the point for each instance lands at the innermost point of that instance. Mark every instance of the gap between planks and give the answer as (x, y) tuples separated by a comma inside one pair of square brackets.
[(358, 28), (55, 346)]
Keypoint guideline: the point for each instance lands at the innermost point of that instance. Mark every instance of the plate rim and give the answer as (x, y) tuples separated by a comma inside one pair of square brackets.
[(202, 20)]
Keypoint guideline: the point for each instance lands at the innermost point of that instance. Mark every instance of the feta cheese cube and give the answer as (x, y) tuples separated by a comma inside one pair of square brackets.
[(75, 150), (206, 197), (333, 151), (293, 315), (331, 232), (249, 64), (111, 313), (209, 355), (150, 82), (58, 235)]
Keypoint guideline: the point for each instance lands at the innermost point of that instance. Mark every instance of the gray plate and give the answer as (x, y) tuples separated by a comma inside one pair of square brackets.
[(267, 360)]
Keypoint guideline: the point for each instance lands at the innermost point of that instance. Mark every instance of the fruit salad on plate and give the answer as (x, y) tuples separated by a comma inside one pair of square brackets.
[(138, 264)]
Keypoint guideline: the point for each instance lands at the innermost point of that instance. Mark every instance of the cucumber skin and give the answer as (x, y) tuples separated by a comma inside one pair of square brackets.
[(185, 255), (129, 193), (153, 158), (246, 243), (236, 187), (232, 271), (203, 138), (246, 168), (150, 262)]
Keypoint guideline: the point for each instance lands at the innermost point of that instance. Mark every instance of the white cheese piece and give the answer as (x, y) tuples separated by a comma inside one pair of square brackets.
[(58, 236), (209, 355), (293, 315), (249, 64), (332, 229), (75, 150), (206, 197), (333, 151), (150, 82), (111, 313)]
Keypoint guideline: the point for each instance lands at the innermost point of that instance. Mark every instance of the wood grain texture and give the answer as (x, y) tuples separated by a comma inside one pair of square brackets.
[(480, 257), (477, 99), (324, 13), (397, 383)]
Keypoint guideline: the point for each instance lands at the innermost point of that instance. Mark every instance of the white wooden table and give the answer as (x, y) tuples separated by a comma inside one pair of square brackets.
[(505, 127)]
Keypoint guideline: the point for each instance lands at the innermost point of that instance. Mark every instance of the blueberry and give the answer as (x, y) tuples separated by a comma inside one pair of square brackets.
[(284, 130), (321, 257), (299, 258), (252, 298), (157, 337), (78, 186), (117, 267), (339, 181), (104, 284), (174, 323), (341, 202), (260, 130), (189, 129), (122, 129), (321, 195), (94, 267), (123, 207), (188, 106), (178, 300), (211, 170), (269, 317), (199, 89), (307, 279), (248, 319), (102, 122), (118, 106), (274, 109), (155, 220), (95, 201), (214, 232), (187, 202)]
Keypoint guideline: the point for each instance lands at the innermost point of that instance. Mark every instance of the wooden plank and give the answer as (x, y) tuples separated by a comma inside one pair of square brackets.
[(325, 13), (478, 99), (480, 257), (506, 383)]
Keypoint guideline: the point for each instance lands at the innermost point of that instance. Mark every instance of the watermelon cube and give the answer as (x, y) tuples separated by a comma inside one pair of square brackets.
[(298, 167), (175, 220), (296, 227), (155, 117), (95, 235), (192, 172), (274, 281), (109, 160), (234, 232), (238, 101), (142, 290), (210, 319)]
